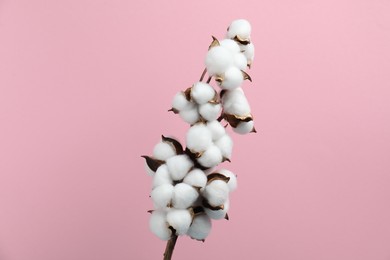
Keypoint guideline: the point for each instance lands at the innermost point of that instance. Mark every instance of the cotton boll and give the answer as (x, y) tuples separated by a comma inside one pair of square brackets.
[(163, 151), (218, 214), (198, 138), (217, 130), (196, 178), (232, 183), (162, 176), (244, 127), (209, 111), (180, 102), (240, 61), (235, 102), (179, 166), (231, 45), (216, 192), (180, 220), (159, 226), (233, 78), (211, 157), (162, 195), (184, 196), (190, 116), (225, 144), (200, 227), (249, 52), (202, 93), (240, 28), (218, 59)]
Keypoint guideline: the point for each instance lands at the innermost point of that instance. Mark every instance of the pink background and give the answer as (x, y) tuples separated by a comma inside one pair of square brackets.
[(84, 89)]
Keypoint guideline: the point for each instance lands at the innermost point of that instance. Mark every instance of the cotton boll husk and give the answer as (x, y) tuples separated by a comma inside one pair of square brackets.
[(218, 59), (162, 176), (190, 116), (233, 78), (179, 166), (218, 214), (241, 28), (159, 226), (162, 151), (196, 178), (231, 45), (202, 93), (211, 157), (148, 170), (232, 183), (244, 127), (184, 196), (240, 61), (198, 138), (162, 195), (216, 192), (209, 111), (200, 227), (180, 220), (225, 144), (217, 130), (249, 51), (181, 103)]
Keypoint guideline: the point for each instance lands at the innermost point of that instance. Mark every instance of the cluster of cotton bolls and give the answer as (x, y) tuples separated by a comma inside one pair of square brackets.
[(187, 190)]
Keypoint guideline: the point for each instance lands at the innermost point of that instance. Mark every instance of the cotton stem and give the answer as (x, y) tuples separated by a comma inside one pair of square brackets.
[(170, 247)]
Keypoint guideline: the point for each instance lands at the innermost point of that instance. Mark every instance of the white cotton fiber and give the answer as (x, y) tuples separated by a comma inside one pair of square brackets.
[(179, 166), (163, 151), (218, 59), (210, 111), (159, 226), (217, 130), (200, 227), (240, 61), (196, 178), (184, 196), (218, 214), (181, 103), (216, 192), (190, 116), (240, 28), (233, 78), (202, 92), (211, 157), (231, 45), (249, 52), (244, 127), (235, 102), (232, 183), (198, 138), (162, 195), (180, 220), (162, 176), (225, 144)]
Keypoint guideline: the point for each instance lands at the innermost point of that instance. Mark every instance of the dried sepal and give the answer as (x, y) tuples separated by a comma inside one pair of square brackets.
[(206, 204), (242, 41), (246, 76), (187, 94), (214, 43), (234, 120), (217, 176), (227, 216), (174, 110), (152, 163), (176, 144)]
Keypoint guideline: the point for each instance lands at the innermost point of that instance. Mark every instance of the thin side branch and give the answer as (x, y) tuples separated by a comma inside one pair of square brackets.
[(203, 73), (170, 247)]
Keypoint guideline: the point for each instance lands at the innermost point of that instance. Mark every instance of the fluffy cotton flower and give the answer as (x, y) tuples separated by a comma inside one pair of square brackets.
[(231, 45), (190, 116), (184, 196), (244, 127), (218, 214), (218, 59), (202, 93), (233, 78), (240, 28), (180, 220), (210, 111), (179, 166), (162, 195), (225, 144), (196, 178), (232, 183), (163, 150), (240, 61), (200, 227), (234, 102), (162, 176), (211, 157), (217, 130), (180, 102), (198, 138), (159, 226), (216, 192), (249, 52)]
